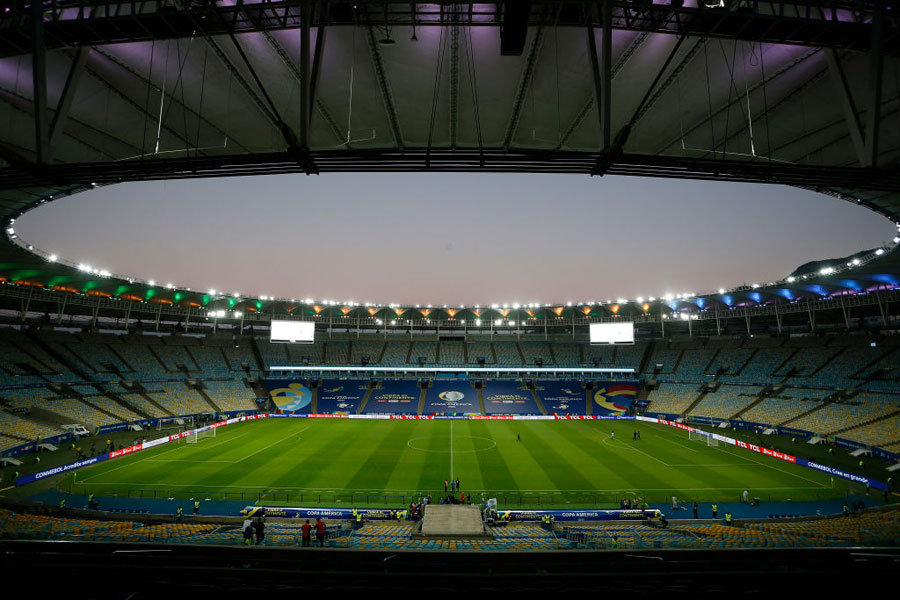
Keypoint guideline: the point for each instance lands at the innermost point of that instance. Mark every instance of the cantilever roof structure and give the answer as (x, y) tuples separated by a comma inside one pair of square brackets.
[(98, 92)]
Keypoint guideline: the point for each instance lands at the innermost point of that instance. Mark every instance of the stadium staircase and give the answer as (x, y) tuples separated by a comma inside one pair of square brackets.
[(257, 355), (146, 396), (759, 398), (537, 400), (421, 406), (123, 403), (365, 400), (314, 407), (589, 406), (63, 360), (205, 396), (648, 352), (481, 401), (84, 399), (865, 423), (825, 402), (694, 404)]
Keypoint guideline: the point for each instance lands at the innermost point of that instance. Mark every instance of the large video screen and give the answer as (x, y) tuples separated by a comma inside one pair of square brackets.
[(292, 332), (619, 332)]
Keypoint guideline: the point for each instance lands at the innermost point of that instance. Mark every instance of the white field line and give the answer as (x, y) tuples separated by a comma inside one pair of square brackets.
[(293, 434)]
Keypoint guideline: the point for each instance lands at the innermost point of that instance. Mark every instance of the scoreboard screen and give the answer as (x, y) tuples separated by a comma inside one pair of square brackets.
[(292, 332), (619, 332)]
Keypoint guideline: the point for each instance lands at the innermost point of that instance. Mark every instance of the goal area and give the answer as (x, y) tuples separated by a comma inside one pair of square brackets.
[(195, 436), (177, 423), (702, 437)]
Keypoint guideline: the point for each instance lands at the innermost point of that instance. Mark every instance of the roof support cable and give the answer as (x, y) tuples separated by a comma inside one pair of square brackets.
[(435, 92), (762, 66), (731, 87), (747, 95), (162, 96), (473, 83), (147, 101)]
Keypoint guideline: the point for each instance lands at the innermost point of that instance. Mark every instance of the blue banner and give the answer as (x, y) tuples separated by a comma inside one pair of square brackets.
[(451, 397), (22, 480)]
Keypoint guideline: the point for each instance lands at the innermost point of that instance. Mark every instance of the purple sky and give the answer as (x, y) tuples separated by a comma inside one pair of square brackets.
[(451, 238)]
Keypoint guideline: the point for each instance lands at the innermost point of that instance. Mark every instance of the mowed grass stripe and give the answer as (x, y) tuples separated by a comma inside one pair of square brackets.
[(407, 471), (524, 466), (619, 468), (377, 454), (542, 446), (490, 469)]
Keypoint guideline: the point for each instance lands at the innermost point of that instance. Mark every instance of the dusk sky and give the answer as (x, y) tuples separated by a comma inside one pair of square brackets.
[(451, 238)]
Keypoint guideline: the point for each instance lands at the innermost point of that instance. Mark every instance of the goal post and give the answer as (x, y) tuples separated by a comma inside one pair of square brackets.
[(196, 435), (703, 438)]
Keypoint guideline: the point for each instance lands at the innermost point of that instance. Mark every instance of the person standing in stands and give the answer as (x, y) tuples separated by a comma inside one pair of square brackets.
[(729, 520), (320, 532), (715, 510), (247, 530), (260, 531), (305, 531), (196, 507), (695, 509), (179, 515)]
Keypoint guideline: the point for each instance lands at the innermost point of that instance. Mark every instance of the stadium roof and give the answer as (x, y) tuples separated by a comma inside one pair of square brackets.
[(100, 92)]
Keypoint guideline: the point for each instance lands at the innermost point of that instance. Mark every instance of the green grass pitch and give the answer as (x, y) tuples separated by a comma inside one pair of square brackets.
[(374, 462)]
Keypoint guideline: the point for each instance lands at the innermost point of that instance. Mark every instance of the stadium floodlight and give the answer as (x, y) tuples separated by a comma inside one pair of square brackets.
[(879, 252), (721, 290), (826, 271), (393, 321), (897, 240), (855, 261), (478, 322), (498, 322), (10, 231), (238, 314), (169, 286), (754, 285), (212, 292), (52, 258)]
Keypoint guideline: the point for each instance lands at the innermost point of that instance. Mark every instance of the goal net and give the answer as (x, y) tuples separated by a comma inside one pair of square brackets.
[(703, 438), (196, 435)]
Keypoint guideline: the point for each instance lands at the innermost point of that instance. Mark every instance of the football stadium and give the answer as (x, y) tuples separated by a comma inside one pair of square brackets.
[(164, 438)]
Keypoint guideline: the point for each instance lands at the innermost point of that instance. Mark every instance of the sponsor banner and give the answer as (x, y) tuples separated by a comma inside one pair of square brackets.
[(329, 416), (412, 417), (451, 397), (562, 397), (111, 428), (872, 483), (581, 515), (493, 417), (508, 397), (395, 397), (341, 395), (281, 512), (61, 469)]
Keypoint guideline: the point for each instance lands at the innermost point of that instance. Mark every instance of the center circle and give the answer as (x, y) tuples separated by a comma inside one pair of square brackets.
[(485, 443)]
